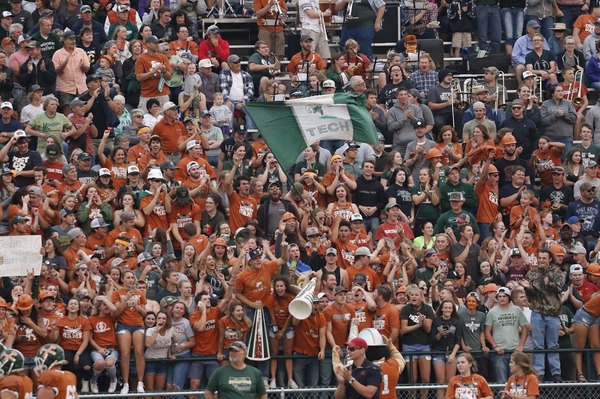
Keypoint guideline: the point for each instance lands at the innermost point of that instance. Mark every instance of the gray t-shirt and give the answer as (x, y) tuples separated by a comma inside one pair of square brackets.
[(472, 326), (411, 150), (276, 211), (182, 331), (505, 325)]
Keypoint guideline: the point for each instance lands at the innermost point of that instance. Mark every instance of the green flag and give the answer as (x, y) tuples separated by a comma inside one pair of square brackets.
[(289, 127)]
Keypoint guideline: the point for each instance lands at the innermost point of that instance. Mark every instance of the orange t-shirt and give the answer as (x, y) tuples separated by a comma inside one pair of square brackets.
[(298, 60), (103, 330), (446, 161), (487, 197), (71, 332), (474, 386), (372, 277), (73, 284), (71, 256), (182, 215), (130, 316), (280, 308), (241, 210), (385, 319), (158, 217), (18, 383), (65, 188), (170, 133), (13, 210), (364, 315), (340, 322), (135, 153), (207, 340), (64, 381), (117, 172), (515, 215), (343, 211), (585, 23), (199, 241), (255, 285), (328, 181), (149, 87), (145, 159), (345, 254), (129, 234), (306, 335), (232, 331), (95, 244), (54, 168), (181, 173), (527, 385), (545, 162), (27, 340)]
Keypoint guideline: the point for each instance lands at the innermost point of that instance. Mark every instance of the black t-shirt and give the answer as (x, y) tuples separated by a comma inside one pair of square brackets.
[(439, 94), (227, 149), (367, 374), (21, 162), (563, 196), (503, 166)]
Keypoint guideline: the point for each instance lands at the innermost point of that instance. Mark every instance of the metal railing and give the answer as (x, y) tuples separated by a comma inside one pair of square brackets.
[(566, 390)]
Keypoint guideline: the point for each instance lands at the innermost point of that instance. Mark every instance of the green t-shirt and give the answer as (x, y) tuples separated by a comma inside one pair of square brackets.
[(426, 210), (363, 13), (237, 384), (51, 126), (505, 325), (48, 45)]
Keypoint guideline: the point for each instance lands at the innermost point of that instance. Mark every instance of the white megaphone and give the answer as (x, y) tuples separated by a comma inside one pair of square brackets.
[(301, 306)]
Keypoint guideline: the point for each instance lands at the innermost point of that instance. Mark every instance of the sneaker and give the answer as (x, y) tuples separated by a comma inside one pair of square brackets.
[(85, 386), (140, 387), (94, 386), (113, 387), (125, 389), (292, 384), (273, 383), (266, 381), (557, 378)]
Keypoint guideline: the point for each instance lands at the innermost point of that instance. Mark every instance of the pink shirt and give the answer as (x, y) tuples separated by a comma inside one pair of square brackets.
[(72, 78), (17, 59)]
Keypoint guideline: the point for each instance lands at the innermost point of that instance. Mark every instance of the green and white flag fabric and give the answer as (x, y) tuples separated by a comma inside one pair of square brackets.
[(288, 127)]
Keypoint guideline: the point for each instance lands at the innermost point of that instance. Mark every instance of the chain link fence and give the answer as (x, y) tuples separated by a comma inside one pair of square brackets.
[(566, 390)]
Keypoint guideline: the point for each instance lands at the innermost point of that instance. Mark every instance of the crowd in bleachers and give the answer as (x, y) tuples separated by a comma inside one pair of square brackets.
[(166, 222)]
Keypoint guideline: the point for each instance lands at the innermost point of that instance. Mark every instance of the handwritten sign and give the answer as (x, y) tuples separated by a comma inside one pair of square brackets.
[(20, 254)]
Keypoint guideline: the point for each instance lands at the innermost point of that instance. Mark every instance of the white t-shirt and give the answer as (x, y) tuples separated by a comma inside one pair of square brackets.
[(307, 22), (237, 87), (160, 349)]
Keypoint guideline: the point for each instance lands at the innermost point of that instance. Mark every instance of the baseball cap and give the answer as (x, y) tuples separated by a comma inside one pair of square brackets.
[(576, 268), (23, 38), (151, 39), (420, 123), (455, 196), (287, 216), (127, 216), (19, 219), (35, 88), (304, 38), (205, 63), (503, 290), (492, 69), (391, 205), (167, 301), (90, 78), (132, 169), (52, 151), (479, 105), (144, 256), (122, 8), (362, 251), (84, 156), (182, 193), (360, 279), (238, 346), (380, 137), (77, 101), (205, 113), (515, 252), (533, 24), (254, 254), (330, 251), (311, 231), (356, 217), (593, 269), (35, 190), (591, 164), (489, 288), (578, 248), (329, 84), (168, 165), (97, 223), (191, 144), (168, 105), (74, 233), (557, 249), (7, 14), (65, 212), (6, 104), (233, 58), (339, 289), (357, 343), (573, 219), (85, 8), (104, 172), (528, 74)]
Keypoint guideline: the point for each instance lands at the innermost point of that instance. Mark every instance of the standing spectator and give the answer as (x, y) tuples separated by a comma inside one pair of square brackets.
[(425, 77), (401, 120), (237, 86), (269, 15), (441, 99), (446, 336), (520, 366), (362, 23), (543, 286), (152, 68), (48, 40), (37, 70), (558, 118), (459, 386), (462, 17), (556, 42), (363, 379), (310, 15), (489, 24), (506, 330), (71, 65)]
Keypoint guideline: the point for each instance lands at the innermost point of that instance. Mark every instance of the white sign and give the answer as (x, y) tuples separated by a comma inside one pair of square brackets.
[(19, 255)]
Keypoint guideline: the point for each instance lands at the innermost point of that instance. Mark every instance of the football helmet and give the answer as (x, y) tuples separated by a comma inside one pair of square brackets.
[(48, 356), (11, 360)]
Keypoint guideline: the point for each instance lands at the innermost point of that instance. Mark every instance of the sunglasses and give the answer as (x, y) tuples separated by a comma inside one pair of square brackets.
[(591, 190), (313, 236), (494, 174), (353, 348)]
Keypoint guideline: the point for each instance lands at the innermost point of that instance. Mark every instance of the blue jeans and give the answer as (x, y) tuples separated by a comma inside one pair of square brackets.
[(489, 21), (570, 14), (484, 231), (545, 22), (500, 367), (364, 35), (544, 331), (332, 145), (306, 371), (325, 372), (371, 223), (512, 22), (177, 374)]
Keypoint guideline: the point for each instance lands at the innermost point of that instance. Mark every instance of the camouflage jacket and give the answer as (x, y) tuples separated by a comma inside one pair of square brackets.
[(545, 298)]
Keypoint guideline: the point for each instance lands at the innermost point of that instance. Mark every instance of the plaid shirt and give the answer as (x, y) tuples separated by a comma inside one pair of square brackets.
[(423, 81), (226, 81)]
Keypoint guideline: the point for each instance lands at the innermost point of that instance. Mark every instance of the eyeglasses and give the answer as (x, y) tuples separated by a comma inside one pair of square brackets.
[(236, 62), (423, 288), (83, 269), (517, 107), (315, 236), (591, 190), (537, 40), (353, 348), (494, 174)]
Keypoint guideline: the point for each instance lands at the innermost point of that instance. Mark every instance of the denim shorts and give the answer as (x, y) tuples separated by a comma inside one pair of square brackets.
[(155, 368), (121, 328), (289, 333), (439, 359), (417, 348), (97, 356), (584, 317)]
